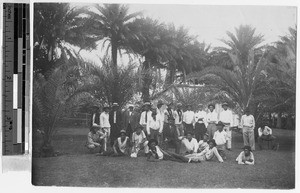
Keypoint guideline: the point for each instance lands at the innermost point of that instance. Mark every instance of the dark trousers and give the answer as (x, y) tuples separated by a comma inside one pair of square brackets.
[(114, 133), (200, 130), (129, 131), (188, 128)]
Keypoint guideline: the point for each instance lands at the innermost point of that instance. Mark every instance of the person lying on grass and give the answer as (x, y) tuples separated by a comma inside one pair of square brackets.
[(207, 154), (139, 142), (121, 145), (246, 156), (95, 138), (157, 154), (203, 143)]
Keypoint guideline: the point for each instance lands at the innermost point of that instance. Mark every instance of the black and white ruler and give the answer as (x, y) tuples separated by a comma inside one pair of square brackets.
[(16, 78)]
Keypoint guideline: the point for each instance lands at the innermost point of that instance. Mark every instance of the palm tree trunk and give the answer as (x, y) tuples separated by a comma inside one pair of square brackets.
[(146, 81), (114, 57)]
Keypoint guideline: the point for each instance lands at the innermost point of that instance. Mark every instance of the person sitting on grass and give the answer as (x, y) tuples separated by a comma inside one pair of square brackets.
[(246, 156), (139, 142), (121, 145), (220, 138), (95, 138), (190, 143), (265, 134), (207, 154), (203, 143), (157, 154)]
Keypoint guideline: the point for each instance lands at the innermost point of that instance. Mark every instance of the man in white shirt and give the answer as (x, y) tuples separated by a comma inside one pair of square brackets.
[(105, 125), (178, 116), (160, 112), (190, 143), (153, 127), (200, 125), (265, 134), (227, 119), (220, 138), (248, 125), (145, 116), (211, 120), (189, 119)]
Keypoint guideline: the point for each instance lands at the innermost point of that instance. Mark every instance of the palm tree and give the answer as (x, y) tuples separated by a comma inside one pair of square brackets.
[(248, 62), (55, 26)]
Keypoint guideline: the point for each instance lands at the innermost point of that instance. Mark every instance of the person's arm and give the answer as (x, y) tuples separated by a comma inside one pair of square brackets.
[(231, 118), (195, 146), (270, 130), (242, 121), (148, 126), (259, 130), (253, 126), (251, 161), (239, 159), (142, 118), (101, 120), (93, 121)]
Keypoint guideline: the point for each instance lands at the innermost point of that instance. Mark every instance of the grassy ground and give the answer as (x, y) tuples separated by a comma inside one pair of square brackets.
[(76, 167)]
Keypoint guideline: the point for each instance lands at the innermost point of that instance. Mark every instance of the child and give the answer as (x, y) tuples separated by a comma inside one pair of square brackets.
[(203, 143), (207, 154), (121, 145), (157, 154), (220, 138), (95, 138), (139, 141), (246, 156)]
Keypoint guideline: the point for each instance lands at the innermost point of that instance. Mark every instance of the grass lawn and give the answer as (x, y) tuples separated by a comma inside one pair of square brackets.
[(76, 167)]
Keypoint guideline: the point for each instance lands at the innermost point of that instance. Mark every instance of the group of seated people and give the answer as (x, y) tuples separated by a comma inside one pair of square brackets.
[(194, 151)]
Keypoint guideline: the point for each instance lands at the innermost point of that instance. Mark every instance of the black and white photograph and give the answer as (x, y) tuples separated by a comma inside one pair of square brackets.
[(192, 96)]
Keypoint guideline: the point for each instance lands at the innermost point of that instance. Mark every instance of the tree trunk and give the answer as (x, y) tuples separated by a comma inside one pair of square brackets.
[(279, 121), (114, 57), (146, 81)]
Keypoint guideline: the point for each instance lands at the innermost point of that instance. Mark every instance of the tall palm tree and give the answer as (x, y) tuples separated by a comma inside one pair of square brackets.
[(55, 26), (248, 62)]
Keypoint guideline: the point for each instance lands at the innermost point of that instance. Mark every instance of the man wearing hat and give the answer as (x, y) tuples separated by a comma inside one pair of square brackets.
[(105, 125), (200, 125), (212, 120), (115, 120), (160, 112), (128, 121), (178, 116), (248, 125), (189, 119), (145, 116), (226, 118), (121, 145)]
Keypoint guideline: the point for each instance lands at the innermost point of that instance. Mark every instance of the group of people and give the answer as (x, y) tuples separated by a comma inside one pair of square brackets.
[(196, 136)]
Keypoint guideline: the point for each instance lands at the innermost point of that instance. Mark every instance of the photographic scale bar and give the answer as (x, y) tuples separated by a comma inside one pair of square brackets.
[(16, 77)]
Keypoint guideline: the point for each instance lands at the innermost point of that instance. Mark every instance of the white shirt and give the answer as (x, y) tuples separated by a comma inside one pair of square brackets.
[(242, 159), (248, 121), (189, 117), (177, 116), (190, 145), (154, 124), (267, 131), (226, 117), (137, 139), (161, 115), (212, 117), (200, 115), (142, 118), (104, 120), (220, 137), (122, 145)]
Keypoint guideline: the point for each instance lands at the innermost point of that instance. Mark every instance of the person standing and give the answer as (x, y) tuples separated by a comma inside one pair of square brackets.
[(153, 127), (189, 119), (128, 120), (115, 120), (248, 124), (96, 117), (211, 120), (105, 125), (168, 118), (145, 116), (178, 116), (227, 119), (200, 125), (160, 113)]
